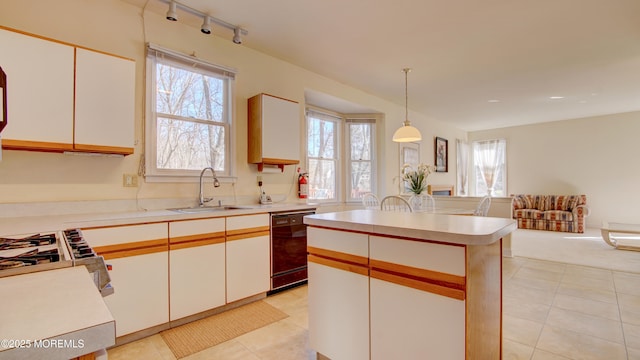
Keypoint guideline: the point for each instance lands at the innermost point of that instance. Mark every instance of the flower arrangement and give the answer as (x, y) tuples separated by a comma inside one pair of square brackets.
[(416, 180)]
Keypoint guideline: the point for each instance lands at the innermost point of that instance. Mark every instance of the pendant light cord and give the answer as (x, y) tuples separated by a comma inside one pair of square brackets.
[(406, 96)]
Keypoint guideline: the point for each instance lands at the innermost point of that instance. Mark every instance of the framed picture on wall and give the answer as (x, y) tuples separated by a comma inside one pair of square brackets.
[(441, 151), (409, 155)]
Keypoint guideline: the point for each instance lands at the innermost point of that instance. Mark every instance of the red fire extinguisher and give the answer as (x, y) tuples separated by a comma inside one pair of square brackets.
[(303, 185)]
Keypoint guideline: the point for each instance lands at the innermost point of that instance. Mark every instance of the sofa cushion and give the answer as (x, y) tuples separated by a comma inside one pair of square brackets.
[(559, 215), (520, 202), (528, 214), (532, 224), (537, 202), (562, 202)]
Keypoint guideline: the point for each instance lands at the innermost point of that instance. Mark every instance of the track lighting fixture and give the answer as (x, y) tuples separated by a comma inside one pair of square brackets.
[(236, 36), (206, 22), (206, 26), (171, 13)]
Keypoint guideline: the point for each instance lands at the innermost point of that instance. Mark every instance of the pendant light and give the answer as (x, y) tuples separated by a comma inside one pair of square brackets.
[(406, 133)]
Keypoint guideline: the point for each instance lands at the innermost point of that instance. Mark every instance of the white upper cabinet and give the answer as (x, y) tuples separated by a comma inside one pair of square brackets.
[(40, 96), (105, 101), (274, 128), (66, 98)]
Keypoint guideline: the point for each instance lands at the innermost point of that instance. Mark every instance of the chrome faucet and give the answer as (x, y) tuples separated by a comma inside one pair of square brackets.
[(216, 183)]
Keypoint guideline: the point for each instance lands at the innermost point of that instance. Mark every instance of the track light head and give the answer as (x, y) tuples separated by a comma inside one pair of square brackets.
[(206, 25), (236, 36), (171, 13)]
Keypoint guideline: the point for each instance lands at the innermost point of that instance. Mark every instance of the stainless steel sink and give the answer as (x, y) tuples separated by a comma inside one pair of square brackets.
[(191, 210)]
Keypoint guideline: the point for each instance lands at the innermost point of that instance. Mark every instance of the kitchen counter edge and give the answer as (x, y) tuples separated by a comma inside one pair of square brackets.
[(453, 229), (40, 224)]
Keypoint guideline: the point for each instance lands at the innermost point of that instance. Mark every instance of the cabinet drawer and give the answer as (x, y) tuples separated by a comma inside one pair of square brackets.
[(105, 236), (449, 259), (125, 241), (247, 222), (203, 227), (338, 241)]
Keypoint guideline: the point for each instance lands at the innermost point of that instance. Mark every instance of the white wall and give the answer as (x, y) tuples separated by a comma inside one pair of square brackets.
[(596, 156), (119, 28)]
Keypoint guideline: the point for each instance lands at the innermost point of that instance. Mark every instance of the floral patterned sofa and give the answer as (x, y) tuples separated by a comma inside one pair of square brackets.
[(550, 212)]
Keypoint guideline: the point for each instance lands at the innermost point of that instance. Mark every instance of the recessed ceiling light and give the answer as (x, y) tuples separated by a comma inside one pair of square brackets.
[(494, 101), (556, 97)]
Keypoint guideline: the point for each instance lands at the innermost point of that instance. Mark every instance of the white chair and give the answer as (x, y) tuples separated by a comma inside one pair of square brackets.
[(370, 201), (395, 203), (483, 206), (422, 202)]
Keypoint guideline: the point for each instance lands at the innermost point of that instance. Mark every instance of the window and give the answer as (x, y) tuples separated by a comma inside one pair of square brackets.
[(490, 167), (322, 155), (324, 134), (190, 104), (360, 165)]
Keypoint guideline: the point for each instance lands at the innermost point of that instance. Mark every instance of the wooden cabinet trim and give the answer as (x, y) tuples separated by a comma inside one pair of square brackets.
[(449, 280), (279, 97), (279, 161), (247, 235), (9, 144), (339, 256), (103, 149), (350, 267), (132, 249), (458, 294), (195, 243), (198, 237), (247, 231)]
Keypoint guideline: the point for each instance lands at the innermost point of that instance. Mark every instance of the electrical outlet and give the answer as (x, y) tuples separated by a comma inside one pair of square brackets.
[(130, 180)]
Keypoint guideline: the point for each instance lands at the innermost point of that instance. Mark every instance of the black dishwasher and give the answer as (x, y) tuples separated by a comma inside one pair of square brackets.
[(288, 249)]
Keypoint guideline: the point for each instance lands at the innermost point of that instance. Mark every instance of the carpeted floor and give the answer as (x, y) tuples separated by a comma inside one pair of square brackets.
[(581, 249), (202, 334)]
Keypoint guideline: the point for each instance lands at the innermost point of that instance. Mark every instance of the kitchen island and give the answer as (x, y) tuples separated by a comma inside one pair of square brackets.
[(388, 285)]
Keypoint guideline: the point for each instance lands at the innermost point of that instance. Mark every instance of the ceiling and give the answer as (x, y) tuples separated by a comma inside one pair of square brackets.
[(476, 64)]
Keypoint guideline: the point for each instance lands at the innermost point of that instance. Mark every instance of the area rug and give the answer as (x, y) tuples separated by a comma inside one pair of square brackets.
[(196, 336), (588, 249)]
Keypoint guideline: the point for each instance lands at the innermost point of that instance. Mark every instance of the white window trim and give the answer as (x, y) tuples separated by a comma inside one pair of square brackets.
[(151, 173)]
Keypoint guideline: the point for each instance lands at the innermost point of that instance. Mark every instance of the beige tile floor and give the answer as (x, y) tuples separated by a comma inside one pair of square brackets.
[(552, 311)]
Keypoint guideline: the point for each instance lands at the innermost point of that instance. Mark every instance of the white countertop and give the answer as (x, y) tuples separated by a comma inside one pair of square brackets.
[(34, 224), (61, 305), (454, 229)]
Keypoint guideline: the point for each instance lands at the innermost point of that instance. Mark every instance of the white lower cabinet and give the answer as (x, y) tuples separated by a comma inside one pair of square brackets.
[(139, 258), (248, 256), (140, 298), (406, 322), (197, 266), (338, 294)]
